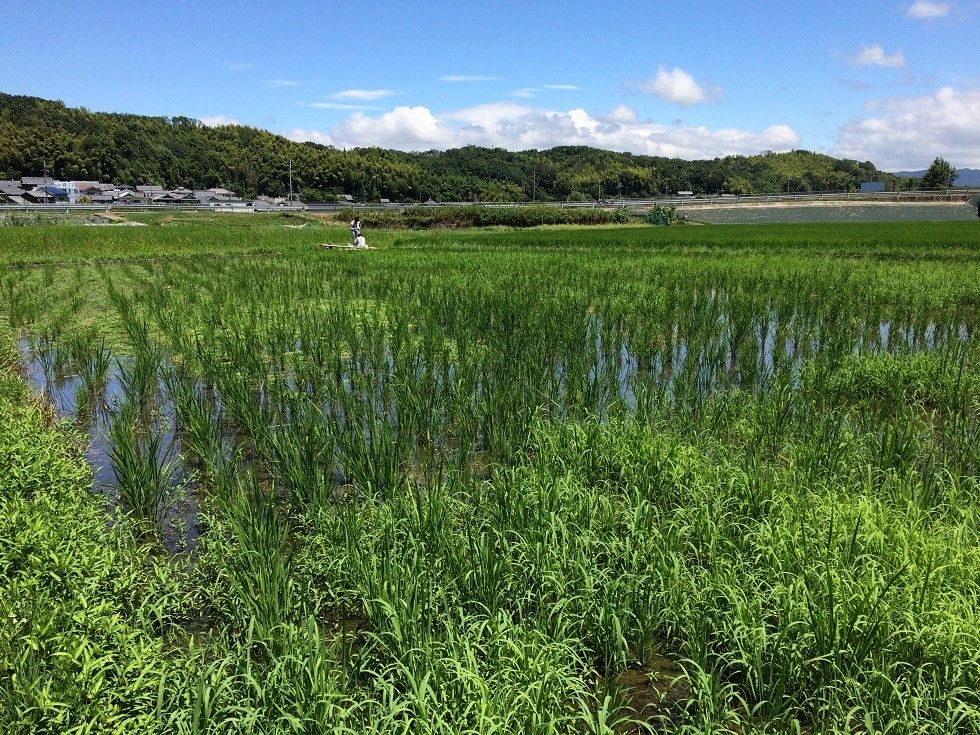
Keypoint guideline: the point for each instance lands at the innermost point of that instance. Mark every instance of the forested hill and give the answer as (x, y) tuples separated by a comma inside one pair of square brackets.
[(74, 143)]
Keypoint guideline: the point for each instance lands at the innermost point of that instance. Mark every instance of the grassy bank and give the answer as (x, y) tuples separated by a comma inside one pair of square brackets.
[(86, 608)]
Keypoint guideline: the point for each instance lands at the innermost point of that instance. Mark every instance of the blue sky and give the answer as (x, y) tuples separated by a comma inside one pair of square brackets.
[(893, 81)]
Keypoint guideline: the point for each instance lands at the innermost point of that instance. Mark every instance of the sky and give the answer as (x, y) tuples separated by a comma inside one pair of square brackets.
[(896, 82)]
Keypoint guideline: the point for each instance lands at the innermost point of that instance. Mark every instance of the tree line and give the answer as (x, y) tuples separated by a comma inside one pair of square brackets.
[(38, 135)]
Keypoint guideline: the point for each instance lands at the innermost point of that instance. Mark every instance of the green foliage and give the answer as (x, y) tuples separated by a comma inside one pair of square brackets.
[(78, 144), (664, 216), (940, 175), (85, 610), (420, 217)]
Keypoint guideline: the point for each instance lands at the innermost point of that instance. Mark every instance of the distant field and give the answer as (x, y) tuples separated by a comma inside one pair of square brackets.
[(823, 213), (693, 479)]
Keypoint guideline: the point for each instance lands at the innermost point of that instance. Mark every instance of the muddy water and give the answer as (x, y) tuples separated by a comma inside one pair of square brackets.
[(616, 370), (181, 527)]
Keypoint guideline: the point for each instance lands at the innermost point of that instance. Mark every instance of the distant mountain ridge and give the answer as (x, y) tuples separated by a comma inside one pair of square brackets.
[(43, 136), (964, 176)]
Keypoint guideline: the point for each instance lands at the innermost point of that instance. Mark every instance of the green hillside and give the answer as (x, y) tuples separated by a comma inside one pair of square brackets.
[(75, 143)]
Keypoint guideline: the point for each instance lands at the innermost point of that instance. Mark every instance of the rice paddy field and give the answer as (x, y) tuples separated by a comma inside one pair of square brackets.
[(829, 213), (716, 479)]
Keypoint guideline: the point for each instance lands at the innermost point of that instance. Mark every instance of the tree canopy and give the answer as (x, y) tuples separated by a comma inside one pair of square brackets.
[(940, 175), (74, 143)]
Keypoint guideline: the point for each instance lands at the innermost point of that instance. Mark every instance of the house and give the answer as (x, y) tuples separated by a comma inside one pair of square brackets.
[(11, 188), (177, 196), (11, 193), (685, 193), (33, 182), (59, 193), (345, 199), (38, 196), (150, 190), (93, 188), (218, 198), (127, 196), (384, 202)]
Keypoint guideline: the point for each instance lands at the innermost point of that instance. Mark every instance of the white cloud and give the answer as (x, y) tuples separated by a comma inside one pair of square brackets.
[(679, 87), (300, 135), (216, 121), (519, 127), (876, 56), (281, 83), (909, 132), (926, 9), (406, 128), (467, 78), (238, 65), (529, 92), (489, 114), (622, 114), (363, 94)]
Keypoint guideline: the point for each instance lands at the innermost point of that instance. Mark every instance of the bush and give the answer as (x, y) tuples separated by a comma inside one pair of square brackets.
[(420, 217), (664, 216)]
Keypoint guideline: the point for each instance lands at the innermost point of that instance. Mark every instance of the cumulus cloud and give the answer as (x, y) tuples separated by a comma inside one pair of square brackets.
[(406, 128), (216, 121), (622, 114), (909, 132), (526, 92), (926, 9), (314, 136), (678, 86), (363, 94), (876, 56), (281, 83), (519, 127), (467, 78)]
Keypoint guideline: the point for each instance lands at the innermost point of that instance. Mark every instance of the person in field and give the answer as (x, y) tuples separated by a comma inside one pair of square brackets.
[(355, 231)]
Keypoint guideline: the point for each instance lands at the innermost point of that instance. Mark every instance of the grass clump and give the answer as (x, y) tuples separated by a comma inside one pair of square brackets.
[(85, 610)]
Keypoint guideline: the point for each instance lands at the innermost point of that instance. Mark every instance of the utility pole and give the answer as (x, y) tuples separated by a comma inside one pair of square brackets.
[(534, 185), (290, 180)]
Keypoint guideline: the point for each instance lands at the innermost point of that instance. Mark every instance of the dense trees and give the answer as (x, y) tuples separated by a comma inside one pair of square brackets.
[(78, 144), (940, 174)]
